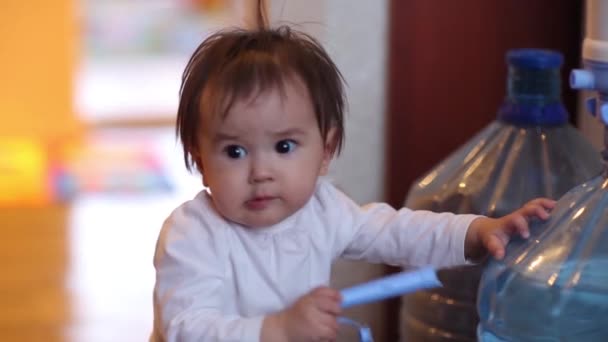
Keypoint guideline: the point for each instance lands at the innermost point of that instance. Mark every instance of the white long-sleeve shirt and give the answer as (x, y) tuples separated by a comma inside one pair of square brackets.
[(216, 280)]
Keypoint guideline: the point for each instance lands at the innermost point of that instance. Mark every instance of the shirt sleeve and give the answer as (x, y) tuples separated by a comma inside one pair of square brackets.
[(380, 234), (189, 281)]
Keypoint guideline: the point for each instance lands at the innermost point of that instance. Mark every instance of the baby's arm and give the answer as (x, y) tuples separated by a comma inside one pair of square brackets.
[(190, 279), (380, 234)]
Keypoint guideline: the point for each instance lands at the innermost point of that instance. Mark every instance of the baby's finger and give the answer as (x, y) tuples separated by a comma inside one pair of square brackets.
[(328, 292), (330, 305), (546, 204), (329, 327), (520, 225), (541, 212), (537, 208), (496, 247)]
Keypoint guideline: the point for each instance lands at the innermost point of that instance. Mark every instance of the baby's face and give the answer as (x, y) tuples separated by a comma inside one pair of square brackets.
[(261, 162)]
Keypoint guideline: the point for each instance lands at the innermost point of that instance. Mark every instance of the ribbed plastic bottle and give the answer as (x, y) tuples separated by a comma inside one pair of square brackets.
[(529, 151), (554, 285)]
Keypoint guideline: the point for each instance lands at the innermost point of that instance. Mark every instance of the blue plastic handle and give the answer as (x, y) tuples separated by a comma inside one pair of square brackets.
[(390, 286), (365, 333)]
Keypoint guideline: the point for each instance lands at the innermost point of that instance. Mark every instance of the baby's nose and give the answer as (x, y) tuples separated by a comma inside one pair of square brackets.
[(260, 172)]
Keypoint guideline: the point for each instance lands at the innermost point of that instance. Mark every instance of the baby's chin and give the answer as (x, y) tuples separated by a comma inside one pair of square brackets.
[(261, 223)]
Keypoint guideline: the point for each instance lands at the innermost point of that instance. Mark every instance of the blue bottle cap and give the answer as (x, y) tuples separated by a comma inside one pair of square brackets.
[(534, 58)]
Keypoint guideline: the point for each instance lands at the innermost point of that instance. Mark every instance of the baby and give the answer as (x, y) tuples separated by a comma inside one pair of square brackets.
[(249, 258)]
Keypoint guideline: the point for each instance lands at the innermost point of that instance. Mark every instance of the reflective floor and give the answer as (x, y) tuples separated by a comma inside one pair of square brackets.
[(82, 271)]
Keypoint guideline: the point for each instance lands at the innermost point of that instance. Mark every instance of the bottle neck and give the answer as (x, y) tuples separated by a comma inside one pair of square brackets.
[(533, 86)]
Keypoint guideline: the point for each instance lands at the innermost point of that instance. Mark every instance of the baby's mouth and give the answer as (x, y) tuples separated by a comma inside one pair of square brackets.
[(259, 202)]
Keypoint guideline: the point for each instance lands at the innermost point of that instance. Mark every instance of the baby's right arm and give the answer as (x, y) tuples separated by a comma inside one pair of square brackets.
[(190, 282)]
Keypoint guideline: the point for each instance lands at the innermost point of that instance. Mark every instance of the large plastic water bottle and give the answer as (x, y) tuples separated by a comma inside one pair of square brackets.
[(553, 286), (529, 151)]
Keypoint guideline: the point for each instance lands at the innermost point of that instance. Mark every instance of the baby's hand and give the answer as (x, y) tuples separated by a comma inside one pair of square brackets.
[(312, 318), (493, 235)]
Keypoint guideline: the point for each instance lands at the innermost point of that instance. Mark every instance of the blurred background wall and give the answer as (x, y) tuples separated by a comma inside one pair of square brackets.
[(37, 55), (38, 51)]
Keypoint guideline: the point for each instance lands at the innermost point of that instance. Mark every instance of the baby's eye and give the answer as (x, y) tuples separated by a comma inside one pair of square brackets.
[(235, 151), (285, 146)]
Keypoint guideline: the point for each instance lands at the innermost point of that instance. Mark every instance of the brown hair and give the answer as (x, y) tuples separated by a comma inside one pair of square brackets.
[(233, 64)]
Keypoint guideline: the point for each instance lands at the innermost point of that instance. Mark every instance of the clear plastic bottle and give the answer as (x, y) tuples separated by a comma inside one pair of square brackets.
[(553, 286), (529, 151)]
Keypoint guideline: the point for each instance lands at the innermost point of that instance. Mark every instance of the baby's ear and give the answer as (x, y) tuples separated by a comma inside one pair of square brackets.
[(199, 167), (198, 162), (331, 143), (328, 150)]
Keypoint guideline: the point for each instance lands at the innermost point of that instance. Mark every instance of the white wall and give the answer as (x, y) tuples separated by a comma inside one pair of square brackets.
[(354, 32)]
